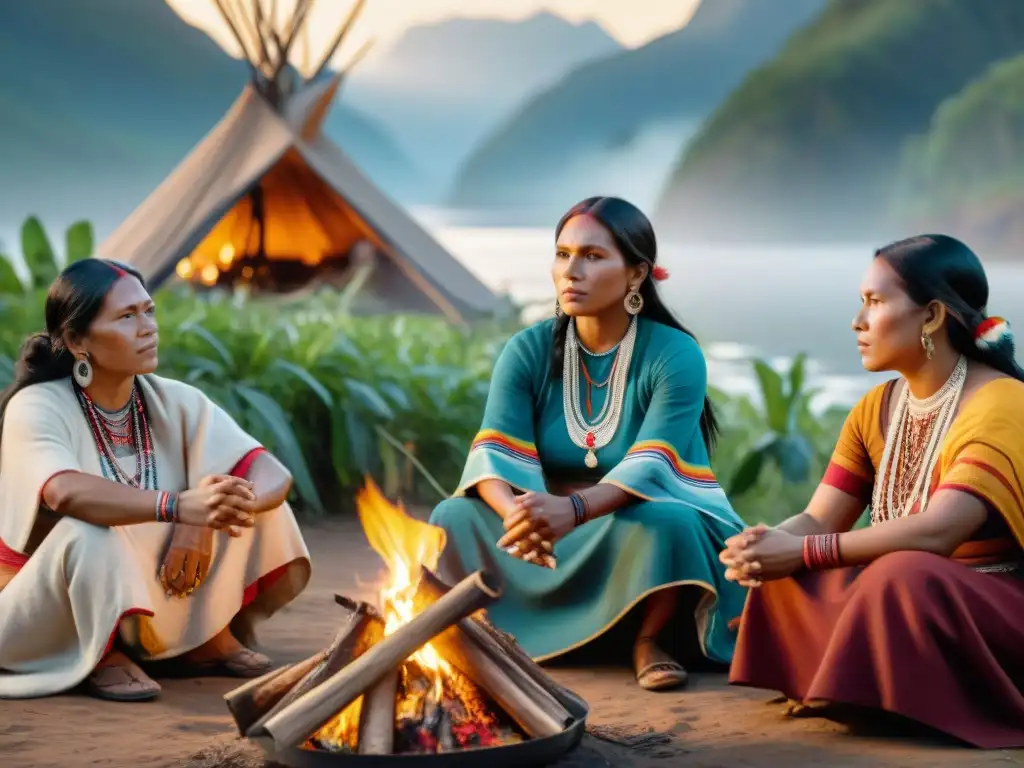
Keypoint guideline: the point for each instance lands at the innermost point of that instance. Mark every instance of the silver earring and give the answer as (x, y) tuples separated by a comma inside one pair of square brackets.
[(82, 372), (558, 309), (634, 302)]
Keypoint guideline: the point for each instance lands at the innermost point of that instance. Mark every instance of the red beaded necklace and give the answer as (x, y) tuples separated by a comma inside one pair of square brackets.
[(137, 433)]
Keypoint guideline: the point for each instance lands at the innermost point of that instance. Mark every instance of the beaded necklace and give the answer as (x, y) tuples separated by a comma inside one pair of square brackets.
[(597, 434), (912, 447), (108, 433)]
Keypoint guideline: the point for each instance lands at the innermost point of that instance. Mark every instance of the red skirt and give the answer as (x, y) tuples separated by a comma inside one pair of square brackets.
[(913, 633)]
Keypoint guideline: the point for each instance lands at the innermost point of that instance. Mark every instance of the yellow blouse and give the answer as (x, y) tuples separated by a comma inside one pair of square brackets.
[(982, 454)]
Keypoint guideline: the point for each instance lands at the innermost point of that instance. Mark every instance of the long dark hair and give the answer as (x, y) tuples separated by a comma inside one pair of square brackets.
[(941, 268), (72, 304), (634, 236)]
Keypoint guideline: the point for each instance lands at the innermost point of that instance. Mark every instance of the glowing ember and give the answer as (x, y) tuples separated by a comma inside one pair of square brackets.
[(437, 708)]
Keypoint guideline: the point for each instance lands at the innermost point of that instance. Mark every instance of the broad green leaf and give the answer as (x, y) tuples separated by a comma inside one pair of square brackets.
[(399, 397), (775, 404), (746, 474), (390, 468), (10, 283), (361, 442), (342, 458), (306, 378), (796, 395), (78, 242), (793, 455), (221, 350), (38, 253), (286, 445), (370, 399)]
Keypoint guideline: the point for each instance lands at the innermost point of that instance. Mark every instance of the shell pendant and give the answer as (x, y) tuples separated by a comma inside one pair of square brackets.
[(591, 458)]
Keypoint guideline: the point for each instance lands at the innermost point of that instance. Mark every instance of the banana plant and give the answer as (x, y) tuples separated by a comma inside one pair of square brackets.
[(39, 256), (786, 416)]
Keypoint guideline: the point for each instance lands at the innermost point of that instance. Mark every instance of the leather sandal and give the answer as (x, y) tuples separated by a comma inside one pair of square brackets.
[(661, 675), (243, 663), (121, 682)]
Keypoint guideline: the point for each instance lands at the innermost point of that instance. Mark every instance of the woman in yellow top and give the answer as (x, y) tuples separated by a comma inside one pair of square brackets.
[(922, 613)]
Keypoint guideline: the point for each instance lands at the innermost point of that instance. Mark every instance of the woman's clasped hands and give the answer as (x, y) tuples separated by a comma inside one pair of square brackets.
[(219, 502), (535, 524), (761, 554)]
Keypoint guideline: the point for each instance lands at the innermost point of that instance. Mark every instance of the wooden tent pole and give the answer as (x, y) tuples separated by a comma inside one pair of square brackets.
[(238, 37), (339, 38), (302, 8)]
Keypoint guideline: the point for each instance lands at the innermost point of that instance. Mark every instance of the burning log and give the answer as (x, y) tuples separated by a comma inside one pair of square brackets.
[(364, 628), (472, 648), (249, 702), (294, 724), (499, 645), (276, 689), (377, 719)]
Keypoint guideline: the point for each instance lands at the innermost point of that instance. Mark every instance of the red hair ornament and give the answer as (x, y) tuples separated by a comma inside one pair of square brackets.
[(991, 332), (659, 273)]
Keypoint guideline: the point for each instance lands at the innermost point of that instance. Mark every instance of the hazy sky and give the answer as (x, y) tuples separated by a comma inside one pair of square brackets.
[(632, 22)]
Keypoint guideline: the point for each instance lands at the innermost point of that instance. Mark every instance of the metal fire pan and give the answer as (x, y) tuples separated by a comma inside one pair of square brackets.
[(532, 752)]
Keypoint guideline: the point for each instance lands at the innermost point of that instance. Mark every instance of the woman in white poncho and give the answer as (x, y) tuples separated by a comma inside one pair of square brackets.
[(138, 521)]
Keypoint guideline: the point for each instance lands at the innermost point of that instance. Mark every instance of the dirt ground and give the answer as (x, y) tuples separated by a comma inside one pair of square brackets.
[(706, 724)]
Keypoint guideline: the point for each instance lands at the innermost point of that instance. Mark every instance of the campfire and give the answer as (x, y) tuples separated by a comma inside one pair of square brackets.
[(421, 673)]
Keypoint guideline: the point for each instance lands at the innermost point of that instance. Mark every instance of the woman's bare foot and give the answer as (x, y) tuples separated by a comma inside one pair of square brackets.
[(224, 654), (118, 678), (655, 669)]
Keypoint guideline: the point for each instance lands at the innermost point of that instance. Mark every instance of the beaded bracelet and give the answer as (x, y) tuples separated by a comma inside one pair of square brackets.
[(167, 507), (580, 509), (822, 552)]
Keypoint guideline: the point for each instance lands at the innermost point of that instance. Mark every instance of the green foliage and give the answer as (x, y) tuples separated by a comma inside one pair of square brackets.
[(38, 253), (40, 258), (771, 458), (809, 144)]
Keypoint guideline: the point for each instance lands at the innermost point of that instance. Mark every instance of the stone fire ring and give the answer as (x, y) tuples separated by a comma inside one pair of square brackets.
[(525, 754)]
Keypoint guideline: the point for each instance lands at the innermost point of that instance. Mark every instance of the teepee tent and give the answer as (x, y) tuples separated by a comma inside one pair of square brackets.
[(265, 199)]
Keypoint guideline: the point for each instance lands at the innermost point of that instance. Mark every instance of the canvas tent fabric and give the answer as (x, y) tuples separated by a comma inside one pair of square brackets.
[(312, 192)]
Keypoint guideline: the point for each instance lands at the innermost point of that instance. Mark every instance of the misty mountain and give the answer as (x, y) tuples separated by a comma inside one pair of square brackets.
[(965, 176), (559, 147), (808, 148), (441, 88), (101, 99)]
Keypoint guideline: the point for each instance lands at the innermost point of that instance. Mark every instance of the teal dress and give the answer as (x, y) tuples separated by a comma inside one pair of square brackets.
[(670, 537)]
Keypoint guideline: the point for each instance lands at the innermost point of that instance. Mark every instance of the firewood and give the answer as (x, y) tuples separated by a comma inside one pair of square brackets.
[(377, 718), (524, 673), (294, 724)]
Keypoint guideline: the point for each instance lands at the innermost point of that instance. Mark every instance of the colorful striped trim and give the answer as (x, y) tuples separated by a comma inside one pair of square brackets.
[(995, 473), (493, 440), (662, 451), (841, 478)]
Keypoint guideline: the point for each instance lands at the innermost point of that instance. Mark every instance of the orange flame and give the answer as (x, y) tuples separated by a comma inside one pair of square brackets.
[(406, 545)]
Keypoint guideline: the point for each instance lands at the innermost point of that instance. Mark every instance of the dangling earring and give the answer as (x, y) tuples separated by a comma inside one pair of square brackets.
[(558, 308), (82, 372), (633, 302), (928, 344)]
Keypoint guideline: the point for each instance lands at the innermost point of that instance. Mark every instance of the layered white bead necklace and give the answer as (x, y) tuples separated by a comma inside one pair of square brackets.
[(904, 455), (585, 435)]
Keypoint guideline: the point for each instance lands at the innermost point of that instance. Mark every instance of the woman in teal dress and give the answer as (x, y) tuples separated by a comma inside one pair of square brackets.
[(592, 460)]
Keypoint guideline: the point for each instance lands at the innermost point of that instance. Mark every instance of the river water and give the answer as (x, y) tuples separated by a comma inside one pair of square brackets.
[(742, 302)]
